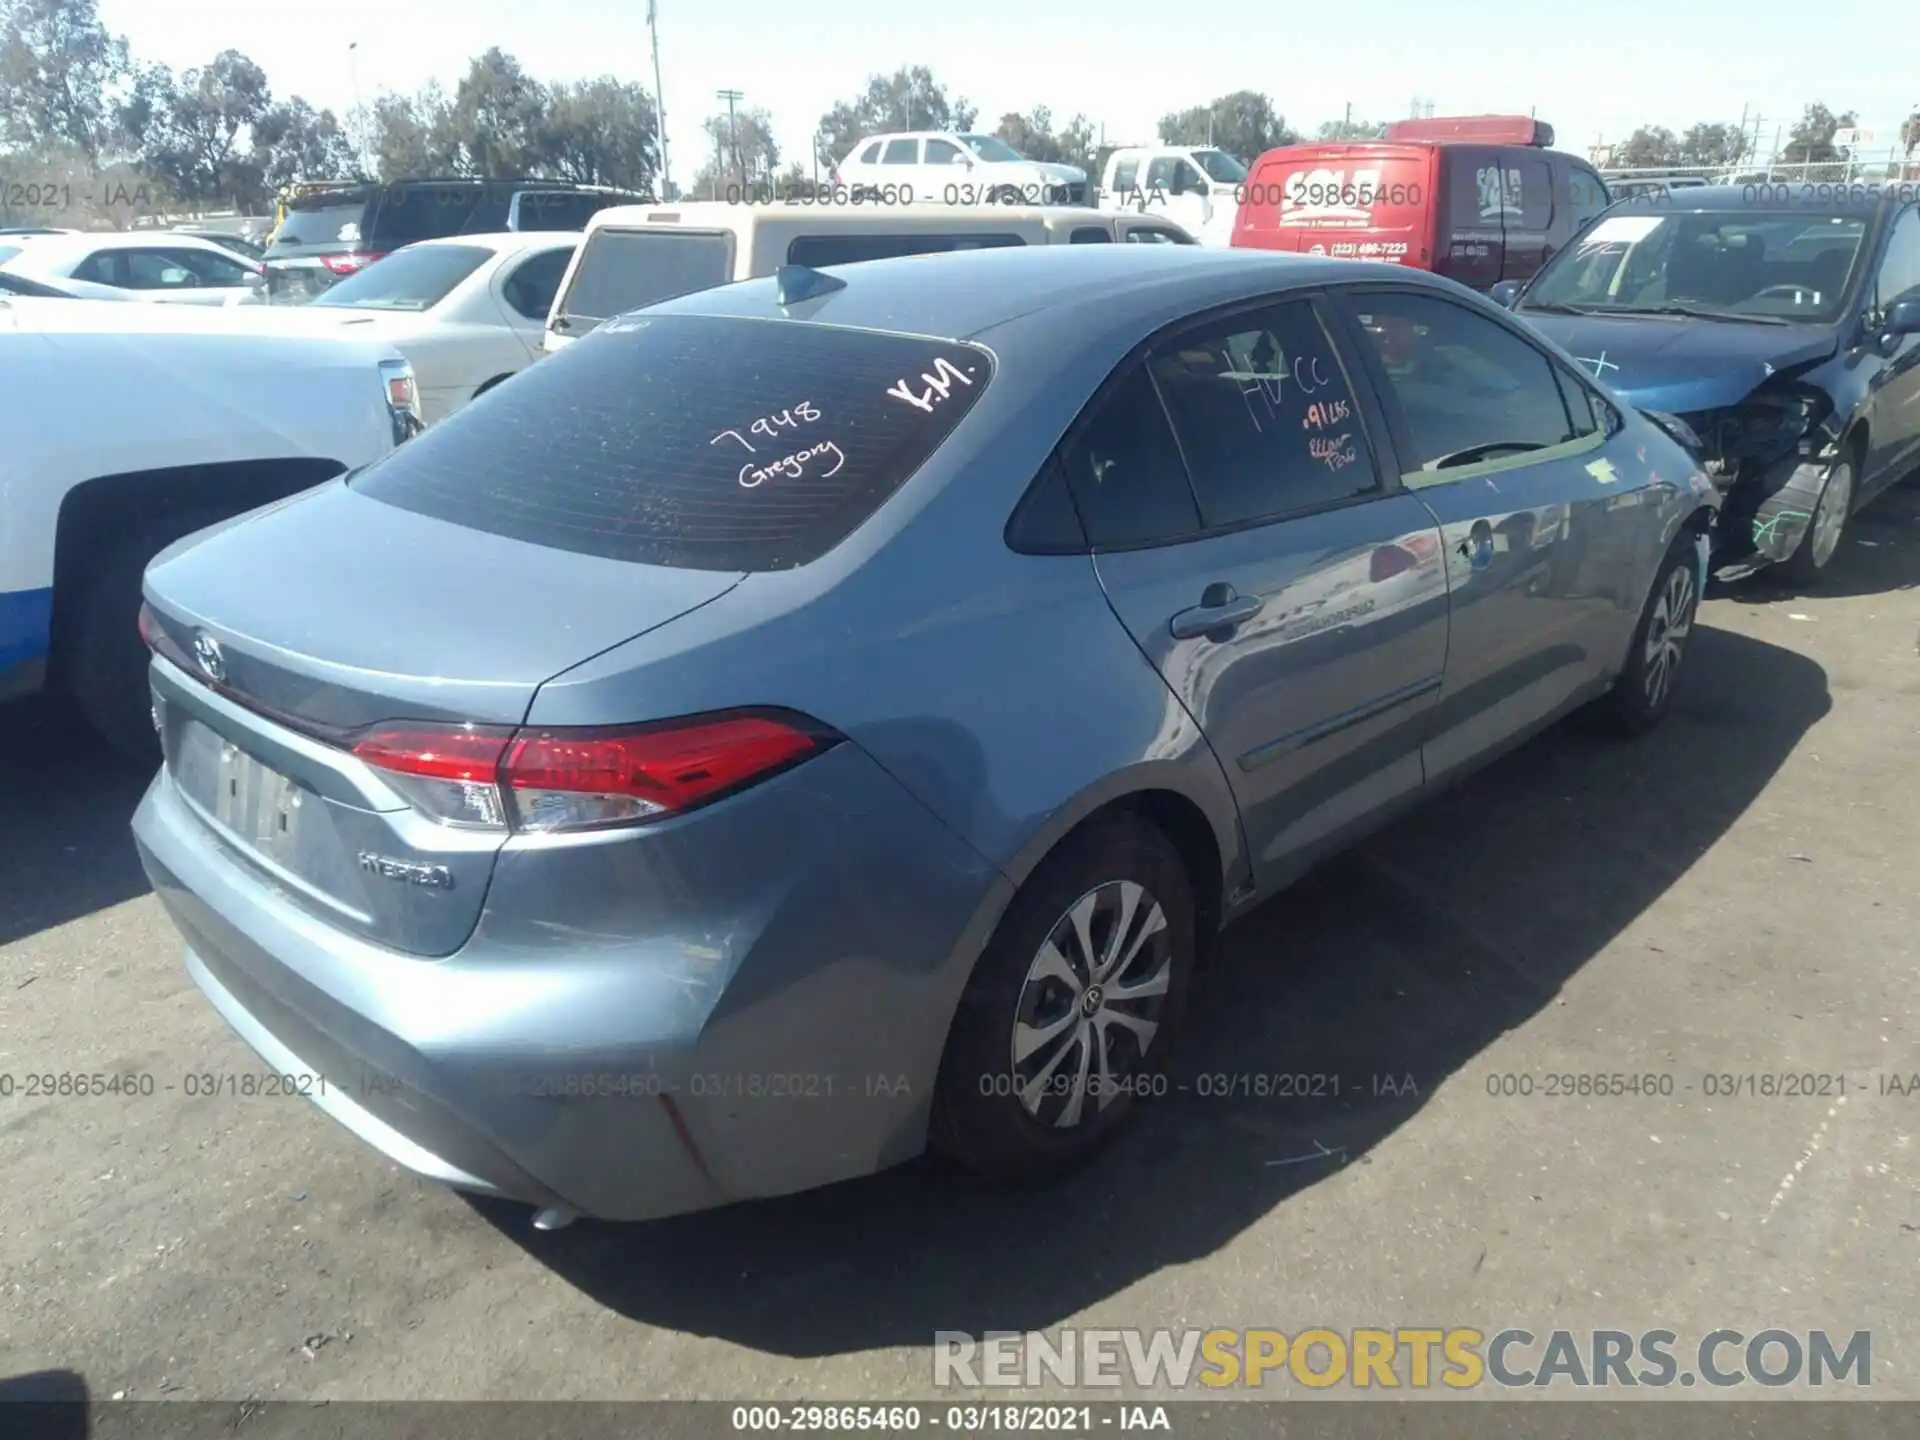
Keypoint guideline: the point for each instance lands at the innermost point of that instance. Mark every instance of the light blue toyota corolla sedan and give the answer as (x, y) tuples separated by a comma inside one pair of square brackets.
[(830, 716)]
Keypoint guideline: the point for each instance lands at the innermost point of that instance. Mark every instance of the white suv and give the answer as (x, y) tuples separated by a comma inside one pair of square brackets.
[(942, 168)]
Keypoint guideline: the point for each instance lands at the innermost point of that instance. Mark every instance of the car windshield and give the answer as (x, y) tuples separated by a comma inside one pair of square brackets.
[(1783, 265), (1220, 166), (417, 278), (990, 149), (332, 224), (7, 252)]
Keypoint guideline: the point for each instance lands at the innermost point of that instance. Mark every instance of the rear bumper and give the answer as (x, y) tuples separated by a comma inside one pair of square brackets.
[(586, 1051)]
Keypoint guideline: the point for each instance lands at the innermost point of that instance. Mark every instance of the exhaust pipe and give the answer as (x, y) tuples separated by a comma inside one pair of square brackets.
[(553, 1217)]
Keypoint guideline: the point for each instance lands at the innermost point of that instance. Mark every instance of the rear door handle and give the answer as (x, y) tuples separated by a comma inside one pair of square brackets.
[(1220, 608)]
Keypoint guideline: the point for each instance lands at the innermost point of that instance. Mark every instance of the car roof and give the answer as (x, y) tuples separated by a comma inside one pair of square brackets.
[(963, 294), (504, 242), (1861, 198), (87, 241)]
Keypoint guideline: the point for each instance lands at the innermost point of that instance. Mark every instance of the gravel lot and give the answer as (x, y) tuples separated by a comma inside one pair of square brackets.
[(1734, 895)]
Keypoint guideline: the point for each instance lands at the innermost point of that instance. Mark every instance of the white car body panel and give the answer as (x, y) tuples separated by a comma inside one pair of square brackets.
[(56, 258), (971, 182), (1208, 217), (137, 388), (471, 337)]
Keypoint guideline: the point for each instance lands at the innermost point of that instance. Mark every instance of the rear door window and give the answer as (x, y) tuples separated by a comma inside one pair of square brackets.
[(818, 250), (1266, 419), (530, 289), (901, 152), (1124, 468), (622, 270), (698, 442), (1090, 235)]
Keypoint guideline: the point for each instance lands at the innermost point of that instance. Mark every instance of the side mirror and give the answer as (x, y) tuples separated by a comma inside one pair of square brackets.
[(1902, 319), (1177, 185), (1506, 293)]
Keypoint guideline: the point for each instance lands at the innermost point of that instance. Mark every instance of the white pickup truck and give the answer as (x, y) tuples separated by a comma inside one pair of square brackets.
[(128, 427)]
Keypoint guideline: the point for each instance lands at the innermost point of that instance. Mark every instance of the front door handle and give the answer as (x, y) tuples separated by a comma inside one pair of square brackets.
[(1221, 609)]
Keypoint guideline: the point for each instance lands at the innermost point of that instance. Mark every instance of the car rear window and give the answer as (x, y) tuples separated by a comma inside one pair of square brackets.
[(335, 224), (7, 252), (622, 270), (417, 278), (697, 442)]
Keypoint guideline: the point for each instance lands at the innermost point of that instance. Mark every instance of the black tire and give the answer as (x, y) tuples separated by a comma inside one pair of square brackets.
[(104, 660), (978, 1120), (1811, 558), (1644, 693)]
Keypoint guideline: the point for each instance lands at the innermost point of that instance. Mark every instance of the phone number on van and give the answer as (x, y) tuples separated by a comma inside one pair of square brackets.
[(1298, 193)]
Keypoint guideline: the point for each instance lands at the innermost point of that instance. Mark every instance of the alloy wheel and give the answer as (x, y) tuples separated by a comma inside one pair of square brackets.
[(1830, 514), (1667, 631), (1091, 1004)]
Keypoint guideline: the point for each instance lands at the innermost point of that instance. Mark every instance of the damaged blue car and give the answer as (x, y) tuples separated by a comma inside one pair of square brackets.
[(1780, 322)]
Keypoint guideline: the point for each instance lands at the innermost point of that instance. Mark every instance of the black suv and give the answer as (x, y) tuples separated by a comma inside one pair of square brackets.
[(329, 234)]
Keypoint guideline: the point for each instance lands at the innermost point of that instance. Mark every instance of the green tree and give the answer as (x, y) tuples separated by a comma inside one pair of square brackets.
[(1033, 136), (600, 132), (58, 67), (1649, 147), (413, 135), (1810, 142), (908, 99), (1910, 133), (1244, 124), (292, 141), (1712, 145), (190, 132), (496, 116), (742, 153)]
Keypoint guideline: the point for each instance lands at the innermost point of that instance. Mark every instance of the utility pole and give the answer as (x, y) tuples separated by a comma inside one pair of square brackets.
[(359, 116), (1347, 124), (733, 133), (659, 101)]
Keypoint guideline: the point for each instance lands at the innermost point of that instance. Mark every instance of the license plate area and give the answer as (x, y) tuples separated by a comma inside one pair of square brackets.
[(259, 808)]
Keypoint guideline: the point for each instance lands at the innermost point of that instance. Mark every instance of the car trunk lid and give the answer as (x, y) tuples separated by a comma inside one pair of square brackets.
[(375, 614)]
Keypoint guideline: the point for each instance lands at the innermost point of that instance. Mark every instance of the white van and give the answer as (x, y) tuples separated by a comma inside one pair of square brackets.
[(639, 255), (1195, 186)]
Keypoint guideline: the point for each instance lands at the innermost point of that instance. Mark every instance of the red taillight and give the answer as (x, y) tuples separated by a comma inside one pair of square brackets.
[(833, 175), (581, 779), (149, 627), (568, 781), (436, 753), (347, 264)]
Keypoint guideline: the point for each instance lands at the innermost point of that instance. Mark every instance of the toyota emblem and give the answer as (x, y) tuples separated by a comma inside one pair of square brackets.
[(212, 659)]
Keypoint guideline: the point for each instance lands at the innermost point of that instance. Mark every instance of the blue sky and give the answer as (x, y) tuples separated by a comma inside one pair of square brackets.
[(1590, 69)]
